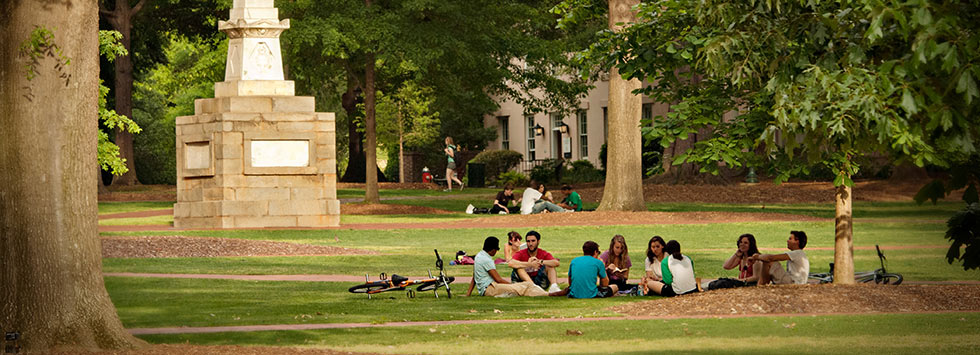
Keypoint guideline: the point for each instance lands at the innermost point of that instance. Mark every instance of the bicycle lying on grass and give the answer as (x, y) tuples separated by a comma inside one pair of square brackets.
[(880, 276), (400, 283)]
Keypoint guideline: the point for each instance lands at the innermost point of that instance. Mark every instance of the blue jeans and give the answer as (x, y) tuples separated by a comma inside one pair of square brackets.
[(541, 279), (542, 205)]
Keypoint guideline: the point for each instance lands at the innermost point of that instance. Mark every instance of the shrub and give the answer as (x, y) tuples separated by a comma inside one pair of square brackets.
[(582, 171), (548, 172), (513, 178), (498, 161)]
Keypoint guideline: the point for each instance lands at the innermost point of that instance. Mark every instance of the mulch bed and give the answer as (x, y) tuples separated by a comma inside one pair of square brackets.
[(813, 299), (198, 247)]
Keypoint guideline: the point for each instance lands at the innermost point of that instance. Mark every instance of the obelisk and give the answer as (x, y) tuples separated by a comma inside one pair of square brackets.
[(256, 156)]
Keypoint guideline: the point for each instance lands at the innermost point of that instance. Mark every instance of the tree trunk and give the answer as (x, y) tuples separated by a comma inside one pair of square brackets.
[(371, 146), (401, 147), (51, 287), (843, 237), (624, 175), (122, 21)]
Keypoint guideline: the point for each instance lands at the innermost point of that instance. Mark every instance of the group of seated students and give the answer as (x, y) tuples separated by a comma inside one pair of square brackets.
[(598, 274), (536, 199)]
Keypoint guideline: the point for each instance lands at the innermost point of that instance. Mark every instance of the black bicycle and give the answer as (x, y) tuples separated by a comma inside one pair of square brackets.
[(401, 283), (880, 276)]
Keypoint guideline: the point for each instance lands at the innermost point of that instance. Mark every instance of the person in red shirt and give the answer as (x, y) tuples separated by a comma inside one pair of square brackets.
[(535, 264)]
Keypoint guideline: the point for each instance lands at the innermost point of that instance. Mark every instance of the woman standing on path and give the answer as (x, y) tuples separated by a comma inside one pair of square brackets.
[(451, 165)]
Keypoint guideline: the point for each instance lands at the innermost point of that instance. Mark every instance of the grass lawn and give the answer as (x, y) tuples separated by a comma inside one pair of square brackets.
[(160, 302), (136, 206), (955, 333)]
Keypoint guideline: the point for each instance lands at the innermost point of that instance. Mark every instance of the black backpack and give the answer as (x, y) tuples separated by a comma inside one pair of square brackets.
[(725, 283)]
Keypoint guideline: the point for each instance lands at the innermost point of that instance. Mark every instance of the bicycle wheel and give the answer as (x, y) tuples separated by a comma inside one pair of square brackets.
[(369, 287), (430, 285), (889, 279)]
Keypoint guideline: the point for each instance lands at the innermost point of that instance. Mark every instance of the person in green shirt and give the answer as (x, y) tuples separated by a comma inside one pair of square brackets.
[(450, 151), (572, 199)]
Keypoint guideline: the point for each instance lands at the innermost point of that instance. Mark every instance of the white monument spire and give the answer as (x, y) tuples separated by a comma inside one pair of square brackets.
[(254, 65)]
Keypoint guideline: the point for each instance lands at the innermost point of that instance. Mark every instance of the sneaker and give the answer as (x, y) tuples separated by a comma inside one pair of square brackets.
[(470, 208), (447, 190), (554, 288), (502, 212)]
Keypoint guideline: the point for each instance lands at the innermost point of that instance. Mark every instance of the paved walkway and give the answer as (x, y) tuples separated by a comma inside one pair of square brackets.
[(281, 327)]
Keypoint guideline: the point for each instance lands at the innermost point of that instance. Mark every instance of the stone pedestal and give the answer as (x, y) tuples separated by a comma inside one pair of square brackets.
[(255, 155)]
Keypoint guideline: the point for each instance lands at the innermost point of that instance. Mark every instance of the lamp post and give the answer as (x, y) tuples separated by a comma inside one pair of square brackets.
[(563, 128)]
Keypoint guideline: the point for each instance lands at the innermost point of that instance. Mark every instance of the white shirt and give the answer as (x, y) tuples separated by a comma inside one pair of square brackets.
[(682, 272), (531, 195), (798, 266), (653, 267)]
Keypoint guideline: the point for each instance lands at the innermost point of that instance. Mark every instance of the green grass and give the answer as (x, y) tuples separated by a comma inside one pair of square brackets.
[(137, 206), (862, 209), (404, 218), (955, 333), (165, 220), (159, 302)]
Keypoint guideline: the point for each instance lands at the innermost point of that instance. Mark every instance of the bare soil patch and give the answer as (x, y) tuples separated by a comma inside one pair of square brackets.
[(199, 247), (813, 299), (186, 349), (388, 209)]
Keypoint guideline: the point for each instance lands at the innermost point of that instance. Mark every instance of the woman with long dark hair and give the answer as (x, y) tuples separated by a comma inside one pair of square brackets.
[(678, 273), (655, 255), (746, 268)]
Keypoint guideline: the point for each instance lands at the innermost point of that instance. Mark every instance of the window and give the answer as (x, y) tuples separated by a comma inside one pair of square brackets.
[(504, 132), (556, 136), (605, 124), (530, 137), (583, 139), (646, 112)]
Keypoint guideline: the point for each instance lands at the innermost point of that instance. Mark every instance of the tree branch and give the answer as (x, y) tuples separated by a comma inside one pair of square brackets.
[(137, 8)]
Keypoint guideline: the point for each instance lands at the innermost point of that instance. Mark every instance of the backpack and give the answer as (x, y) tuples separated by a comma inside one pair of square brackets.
[(725, 283)]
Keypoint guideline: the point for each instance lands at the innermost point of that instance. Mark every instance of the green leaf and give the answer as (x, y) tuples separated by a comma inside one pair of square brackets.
[(908, 103)]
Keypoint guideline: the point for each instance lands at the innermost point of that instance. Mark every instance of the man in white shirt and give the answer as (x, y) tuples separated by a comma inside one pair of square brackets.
[(532, 203), (797, 265)]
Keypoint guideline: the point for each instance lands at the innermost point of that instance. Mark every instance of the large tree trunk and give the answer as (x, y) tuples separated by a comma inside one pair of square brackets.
[(370, 126), (121, 19), (51, 288), (624, 175), (843, 237), (355, 141)]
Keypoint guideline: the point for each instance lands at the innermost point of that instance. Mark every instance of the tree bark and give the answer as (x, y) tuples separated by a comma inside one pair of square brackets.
[(370, 126), (843, 237), (121, 19), (401, 147), (624, 176), (51, 287)]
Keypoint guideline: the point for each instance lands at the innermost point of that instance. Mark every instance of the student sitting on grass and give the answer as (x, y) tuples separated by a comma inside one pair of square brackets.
[(797, 265), (572, 201), (489, 283), (746, 268), (535, 264), (617, 262), (655, 255), (532, 202), (504, 202), (583, 273), (513, 245), (678, 273)]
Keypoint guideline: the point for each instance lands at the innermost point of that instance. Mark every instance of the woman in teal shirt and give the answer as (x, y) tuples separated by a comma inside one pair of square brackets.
[(451, 165)]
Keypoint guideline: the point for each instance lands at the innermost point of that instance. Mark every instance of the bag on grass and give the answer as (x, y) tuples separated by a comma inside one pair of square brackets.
[(725, 283)]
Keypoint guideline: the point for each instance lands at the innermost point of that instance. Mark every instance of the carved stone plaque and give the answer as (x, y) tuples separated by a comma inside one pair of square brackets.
[(280, 153)]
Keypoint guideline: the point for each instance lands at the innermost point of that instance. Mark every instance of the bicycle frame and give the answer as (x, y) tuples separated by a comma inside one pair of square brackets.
[(399, 283), (878, 276)]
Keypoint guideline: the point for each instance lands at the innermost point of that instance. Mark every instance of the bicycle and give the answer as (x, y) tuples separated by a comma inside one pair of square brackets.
[(400, 283), (879, 276)]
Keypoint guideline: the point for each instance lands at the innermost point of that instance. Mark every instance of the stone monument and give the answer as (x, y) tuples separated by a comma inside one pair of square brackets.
[(256, 155)]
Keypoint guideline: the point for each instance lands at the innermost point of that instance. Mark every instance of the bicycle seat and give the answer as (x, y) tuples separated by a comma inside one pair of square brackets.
[(397, 279)]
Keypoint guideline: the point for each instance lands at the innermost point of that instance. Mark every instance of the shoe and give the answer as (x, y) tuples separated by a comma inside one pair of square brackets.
[(502, 212), (469, 209), (554, 288), (447, 190)]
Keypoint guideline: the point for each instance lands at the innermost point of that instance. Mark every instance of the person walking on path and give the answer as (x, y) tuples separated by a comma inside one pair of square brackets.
[(451, 165)]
